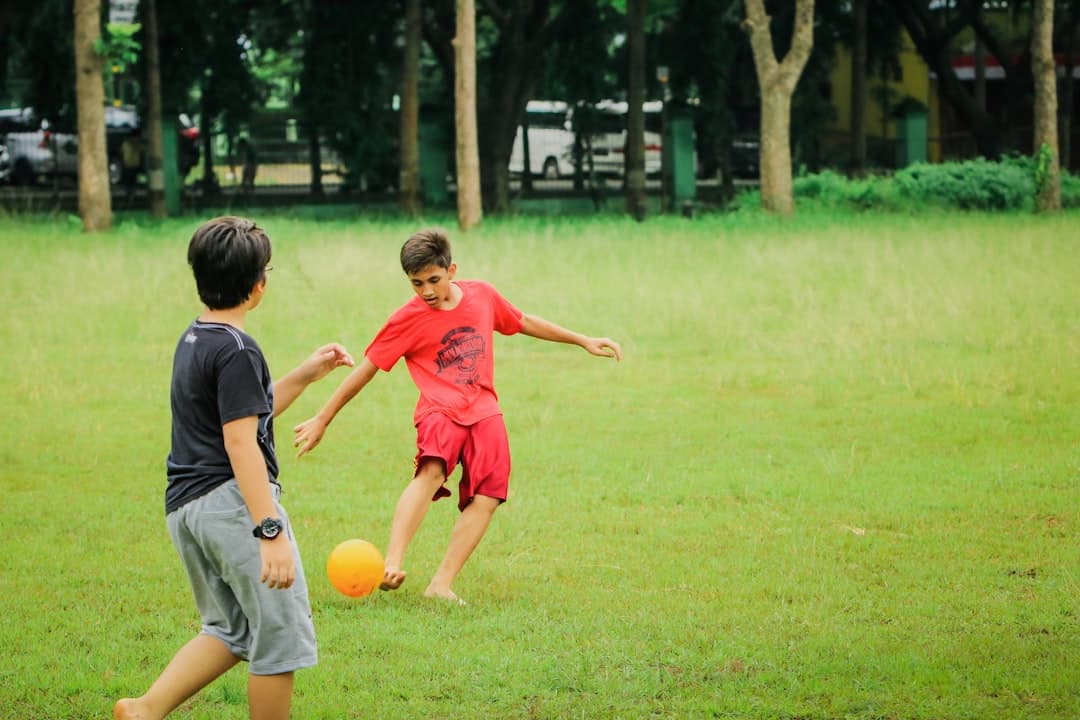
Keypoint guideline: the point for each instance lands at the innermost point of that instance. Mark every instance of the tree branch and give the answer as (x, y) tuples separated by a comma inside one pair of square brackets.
[(803, 40), (440, 43), (968, 15), (756, 26), (498, 15), (555, 25), (986, 35)]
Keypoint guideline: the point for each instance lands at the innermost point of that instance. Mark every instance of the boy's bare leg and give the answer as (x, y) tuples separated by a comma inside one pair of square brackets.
[(469, 528), (270, 696), (411, 509), (202, 660)]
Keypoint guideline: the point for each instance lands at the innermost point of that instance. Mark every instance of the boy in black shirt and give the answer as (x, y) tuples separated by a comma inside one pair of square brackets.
[(221, 501)]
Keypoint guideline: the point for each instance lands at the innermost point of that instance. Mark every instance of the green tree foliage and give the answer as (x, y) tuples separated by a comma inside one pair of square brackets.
[(207, 55), (579, 64), (210, 51), (347, 85), (118, 46), (703, 46), (41, 56)]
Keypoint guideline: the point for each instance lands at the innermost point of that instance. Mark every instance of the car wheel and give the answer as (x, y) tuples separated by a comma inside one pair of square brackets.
[(115, 173), (551, 169), (23, 173)]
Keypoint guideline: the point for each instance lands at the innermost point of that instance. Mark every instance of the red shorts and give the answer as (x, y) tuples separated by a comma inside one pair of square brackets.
[(483, 450)]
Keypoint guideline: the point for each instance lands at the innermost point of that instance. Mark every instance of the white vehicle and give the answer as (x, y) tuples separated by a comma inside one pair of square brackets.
[(35, 149), (5, 164), (551, 141), (609, 139)]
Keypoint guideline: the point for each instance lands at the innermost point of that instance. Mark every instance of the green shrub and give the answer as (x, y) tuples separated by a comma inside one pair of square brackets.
[(832, 188), (1005, 185), (971, 185), (1070, 190)]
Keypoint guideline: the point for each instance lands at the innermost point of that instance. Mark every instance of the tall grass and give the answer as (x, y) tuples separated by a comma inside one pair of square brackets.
[(836, 475)]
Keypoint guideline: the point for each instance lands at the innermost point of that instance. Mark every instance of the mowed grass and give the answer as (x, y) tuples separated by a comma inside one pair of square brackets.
[(836, 476)]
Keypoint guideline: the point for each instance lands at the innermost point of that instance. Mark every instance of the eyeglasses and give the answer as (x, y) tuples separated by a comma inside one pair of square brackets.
[(268, 268)]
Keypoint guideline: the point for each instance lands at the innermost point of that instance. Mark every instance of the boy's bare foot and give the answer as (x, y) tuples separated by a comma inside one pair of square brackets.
[(126, 709), (443, 594), (392, 579)]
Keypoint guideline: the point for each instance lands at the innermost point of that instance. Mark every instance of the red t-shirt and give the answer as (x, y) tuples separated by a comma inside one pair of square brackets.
[(449, 353)]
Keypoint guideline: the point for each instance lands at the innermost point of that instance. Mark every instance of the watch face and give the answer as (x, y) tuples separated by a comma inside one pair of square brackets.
[(270, 528)]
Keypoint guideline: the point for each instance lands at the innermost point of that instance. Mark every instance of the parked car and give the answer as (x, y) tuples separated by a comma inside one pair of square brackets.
[(123, 121), (551, 141), (5, 164), (745, 153), (37, 150)]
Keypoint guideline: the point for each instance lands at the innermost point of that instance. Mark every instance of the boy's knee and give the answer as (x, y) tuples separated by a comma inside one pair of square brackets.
[(431, 470), (485, 503)]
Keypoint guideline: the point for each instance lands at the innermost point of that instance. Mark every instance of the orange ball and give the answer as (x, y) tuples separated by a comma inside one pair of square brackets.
[(355, 568)]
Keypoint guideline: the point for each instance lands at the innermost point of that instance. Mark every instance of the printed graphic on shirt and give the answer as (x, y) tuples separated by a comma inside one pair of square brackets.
[(461, 349)]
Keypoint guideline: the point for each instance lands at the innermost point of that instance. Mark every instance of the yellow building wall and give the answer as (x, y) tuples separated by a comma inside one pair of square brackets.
[(914, 82)]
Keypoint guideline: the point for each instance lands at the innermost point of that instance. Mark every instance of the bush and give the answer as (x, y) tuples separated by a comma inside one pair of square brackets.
[(972, 185), (832, 188), (1004, 185), (1070, 190)]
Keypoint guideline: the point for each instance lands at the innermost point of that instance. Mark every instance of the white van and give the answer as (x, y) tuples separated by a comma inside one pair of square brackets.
[(551, 141), (609, 140)]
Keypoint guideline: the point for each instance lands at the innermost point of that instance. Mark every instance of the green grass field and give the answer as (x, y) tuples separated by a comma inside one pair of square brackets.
[(836, 476)]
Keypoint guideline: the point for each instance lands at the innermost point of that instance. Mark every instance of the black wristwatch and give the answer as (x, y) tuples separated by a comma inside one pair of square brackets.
[(269, 528)]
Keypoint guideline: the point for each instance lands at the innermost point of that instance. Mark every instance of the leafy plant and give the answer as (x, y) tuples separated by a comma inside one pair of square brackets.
[(972, 185), (1070, 190), (832, 188), (118, 45), (1043, 161)]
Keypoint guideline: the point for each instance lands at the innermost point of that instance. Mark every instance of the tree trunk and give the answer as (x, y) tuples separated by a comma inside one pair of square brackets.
[(95, 204), (858, 89), (470, 211), (410, 112), (315, 160), (1068, 85), (499, 120), (210, 186), (777, 81), (494, 157), (636, 201), (1043, 68), (526, 155), (526, 28), (1065, 114), (155, 156), (980, 75), (775, 163)]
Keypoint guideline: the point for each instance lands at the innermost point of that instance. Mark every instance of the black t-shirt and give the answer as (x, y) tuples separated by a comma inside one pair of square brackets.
[(219, 375)]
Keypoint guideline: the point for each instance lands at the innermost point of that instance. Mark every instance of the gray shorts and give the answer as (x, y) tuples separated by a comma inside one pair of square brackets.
[(271, 629)]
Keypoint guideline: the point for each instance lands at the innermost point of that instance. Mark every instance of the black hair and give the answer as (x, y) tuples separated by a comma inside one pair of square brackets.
[(424, 249), (228, 255)]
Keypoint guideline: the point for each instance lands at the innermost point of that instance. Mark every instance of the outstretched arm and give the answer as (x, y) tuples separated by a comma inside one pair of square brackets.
[(309, 433), (542, 329), (315, 368)]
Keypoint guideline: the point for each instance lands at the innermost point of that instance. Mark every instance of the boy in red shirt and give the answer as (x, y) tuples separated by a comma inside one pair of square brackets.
[(445, 334)]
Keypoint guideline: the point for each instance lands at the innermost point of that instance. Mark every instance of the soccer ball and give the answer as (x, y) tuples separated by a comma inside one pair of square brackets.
[(355, 568)]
